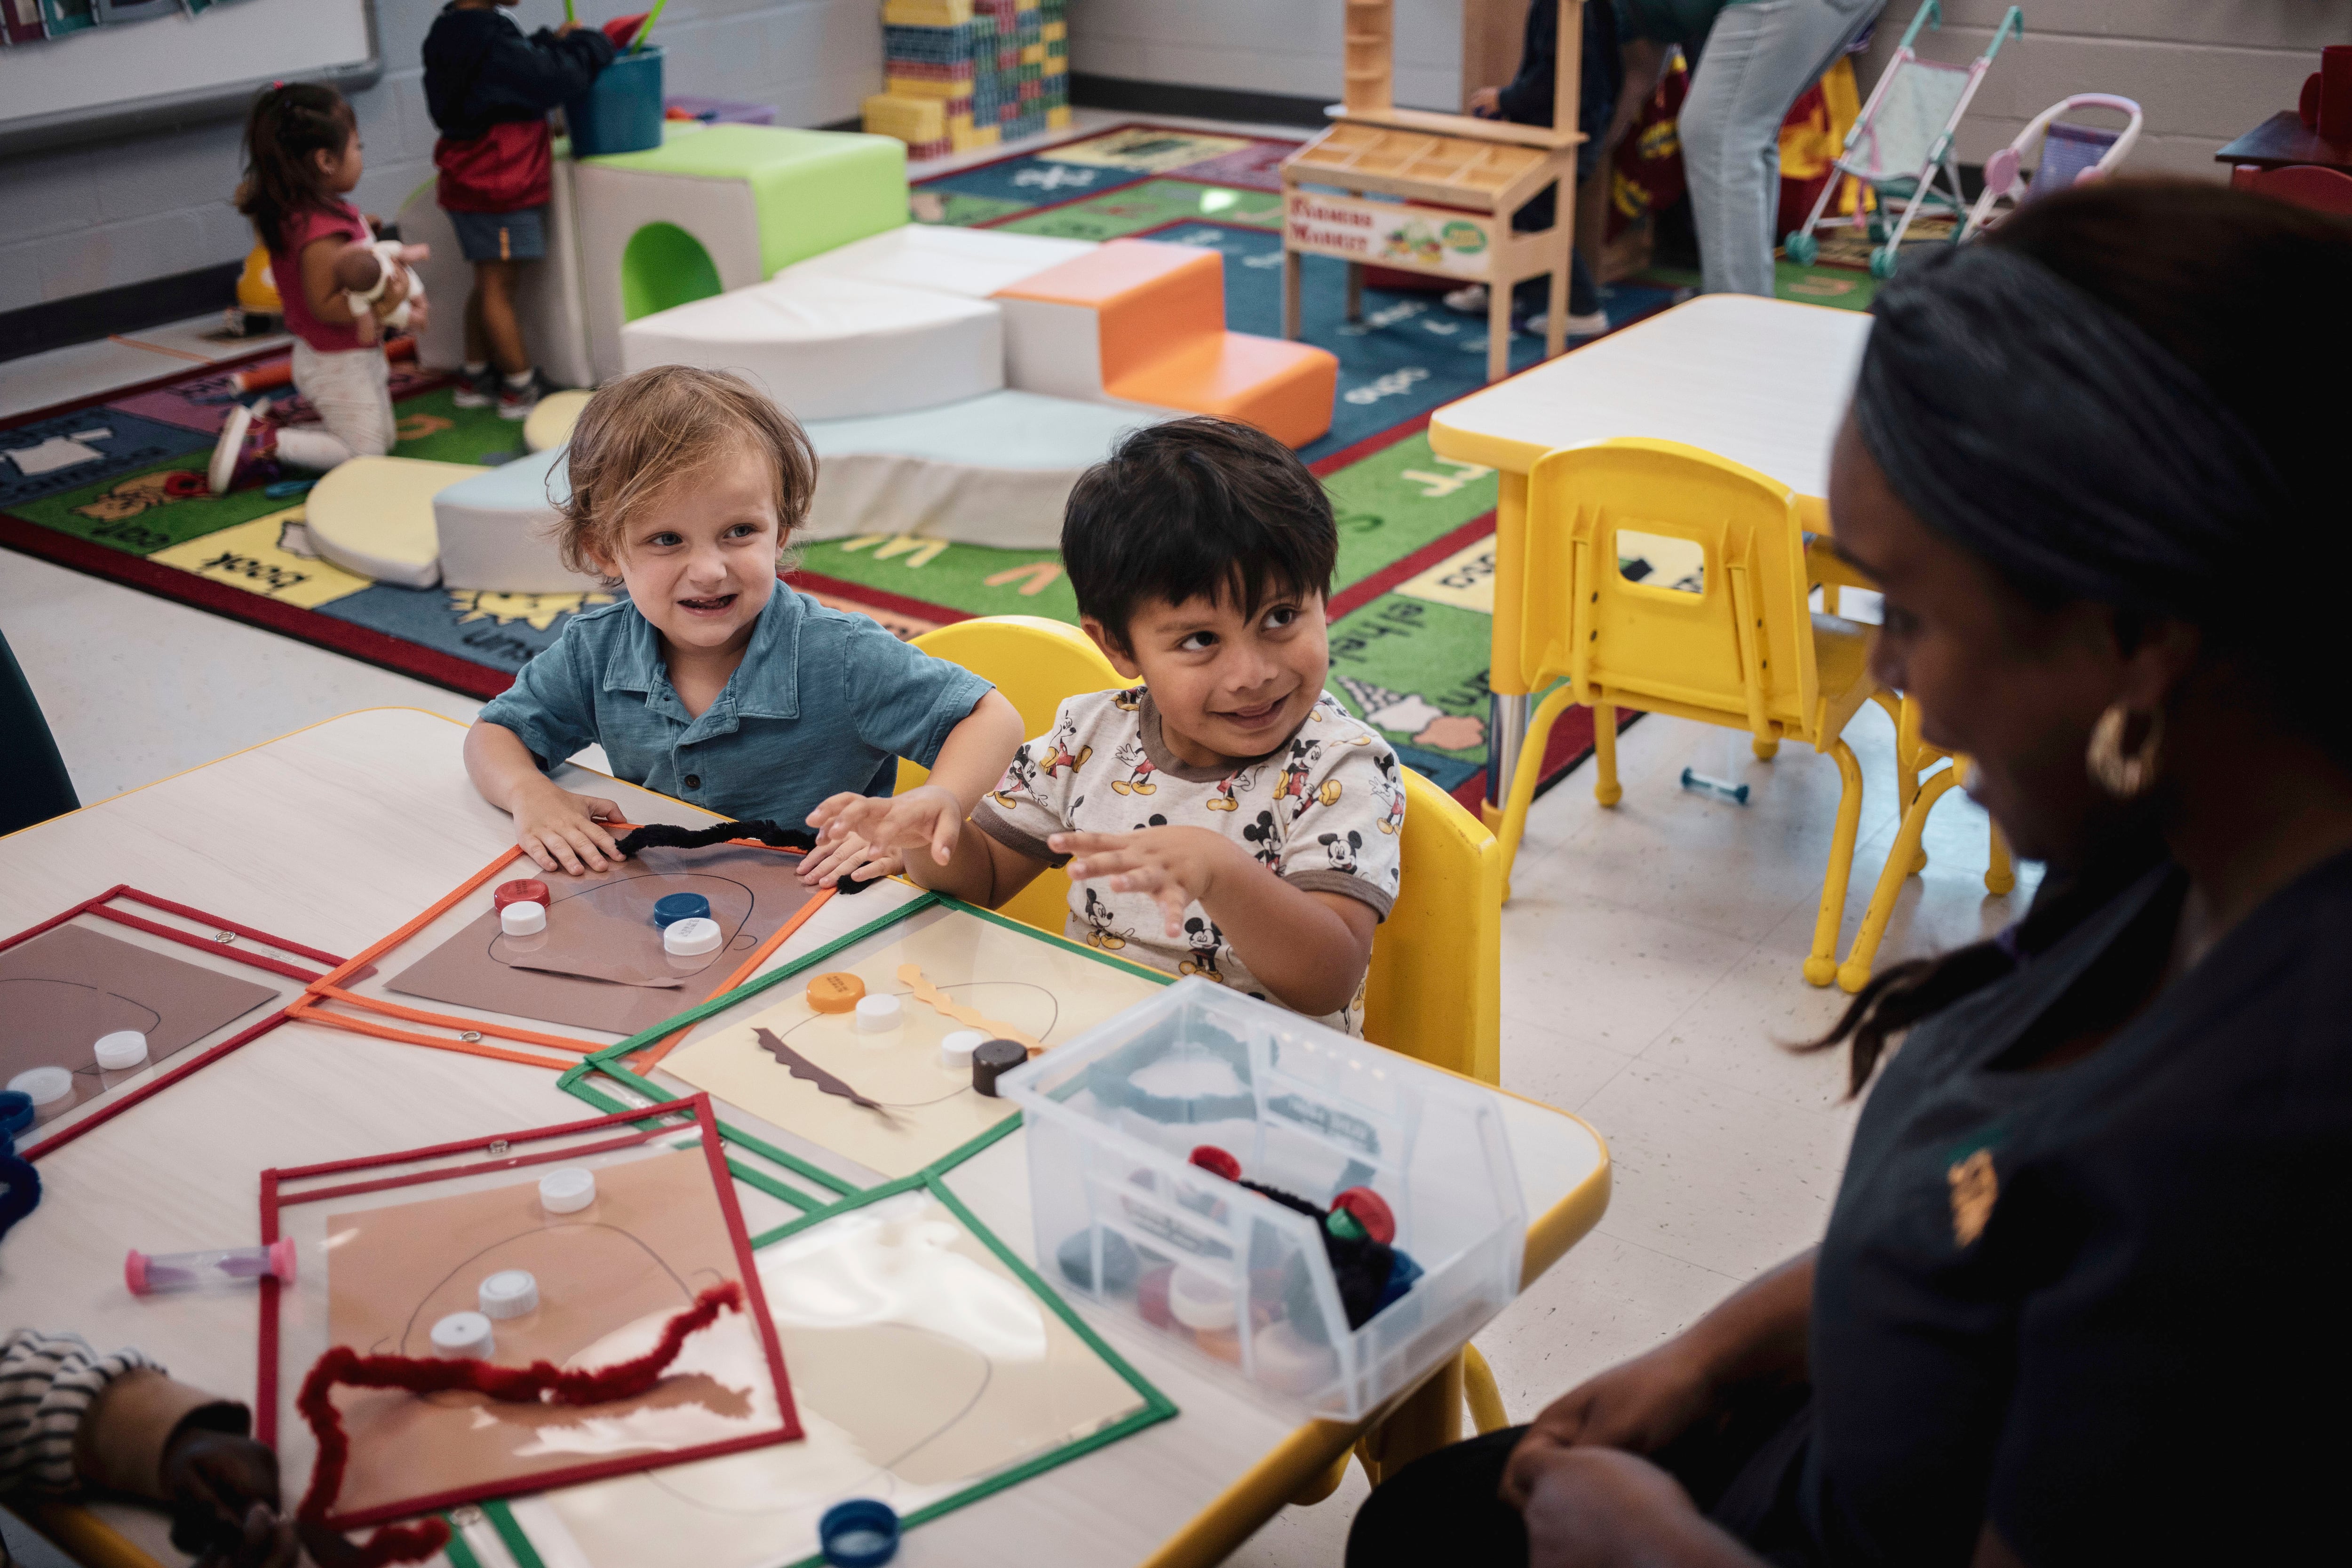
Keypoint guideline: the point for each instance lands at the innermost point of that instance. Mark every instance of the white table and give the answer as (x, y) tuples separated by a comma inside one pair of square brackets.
[(336, 834), (1763, 382)]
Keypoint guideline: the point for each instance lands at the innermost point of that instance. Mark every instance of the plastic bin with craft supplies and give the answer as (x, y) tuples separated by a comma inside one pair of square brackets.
[(1392, 1203)]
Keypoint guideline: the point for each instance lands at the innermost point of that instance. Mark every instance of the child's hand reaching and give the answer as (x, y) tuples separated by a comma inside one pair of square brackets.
[(1179, 866), (561, 831), (223, 1492), (927, 817), (849, 855)]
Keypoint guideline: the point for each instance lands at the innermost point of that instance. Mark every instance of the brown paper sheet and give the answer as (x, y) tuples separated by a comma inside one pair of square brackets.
[(1016, 978), (63, 989), (602, 923), (609, 1278)]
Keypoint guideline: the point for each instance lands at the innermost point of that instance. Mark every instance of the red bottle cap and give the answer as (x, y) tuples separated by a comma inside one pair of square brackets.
[(521, 892), (1216, 1162), (1371, 1212)]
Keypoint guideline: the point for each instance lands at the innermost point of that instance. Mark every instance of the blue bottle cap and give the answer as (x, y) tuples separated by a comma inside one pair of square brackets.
[(860, 1534), (16, 1112), (676, 907)]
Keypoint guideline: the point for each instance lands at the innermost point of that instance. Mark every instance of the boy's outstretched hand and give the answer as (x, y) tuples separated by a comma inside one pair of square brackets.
[(223, 1493), (1179, 866), (562, 831), (927, 817)]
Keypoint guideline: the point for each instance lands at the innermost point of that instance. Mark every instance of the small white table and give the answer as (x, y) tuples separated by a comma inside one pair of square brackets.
[(1763, 382), (335, 835)]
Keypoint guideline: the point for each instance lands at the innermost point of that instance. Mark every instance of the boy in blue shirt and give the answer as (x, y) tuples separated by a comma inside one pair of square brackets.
[(711, 682)]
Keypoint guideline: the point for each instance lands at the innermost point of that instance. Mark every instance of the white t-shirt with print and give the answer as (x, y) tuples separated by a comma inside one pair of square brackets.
[(1322, 811)]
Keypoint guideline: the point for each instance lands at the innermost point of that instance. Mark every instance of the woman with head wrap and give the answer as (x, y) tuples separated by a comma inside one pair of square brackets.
[(2068, 1308)]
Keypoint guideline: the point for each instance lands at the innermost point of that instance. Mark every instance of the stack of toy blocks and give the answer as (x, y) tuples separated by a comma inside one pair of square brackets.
[(999, 70)]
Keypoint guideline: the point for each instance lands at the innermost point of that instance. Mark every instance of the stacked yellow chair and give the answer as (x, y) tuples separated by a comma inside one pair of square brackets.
[(1745, 652), (1433, 990)]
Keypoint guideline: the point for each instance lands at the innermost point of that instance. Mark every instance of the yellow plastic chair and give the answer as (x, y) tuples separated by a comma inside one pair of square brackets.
[(1744, 652), (1038, 663), (1906, 859)]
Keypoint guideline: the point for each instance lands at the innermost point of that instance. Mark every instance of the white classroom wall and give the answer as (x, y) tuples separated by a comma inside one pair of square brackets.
[(1286, 46), (77, 219)]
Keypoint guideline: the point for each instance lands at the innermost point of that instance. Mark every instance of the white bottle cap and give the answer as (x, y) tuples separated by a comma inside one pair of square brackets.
[(1200, 1301), (523, 917), (567, 1191), (121, 1051), (876, 1014), (692, 938), (955, 1052), (463, 1335), (509, 1293), (43, 1085), (1289, 1360)]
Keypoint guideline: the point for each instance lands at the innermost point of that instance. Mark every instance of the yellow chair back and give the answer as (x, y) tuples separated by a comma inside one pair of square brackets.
[(1740, 651), (1036, 663), (1434, 989)]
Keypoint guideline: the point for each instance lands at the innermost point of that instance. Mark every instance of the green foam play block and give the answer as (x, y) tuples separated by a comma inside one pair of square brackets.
[(812, 190)]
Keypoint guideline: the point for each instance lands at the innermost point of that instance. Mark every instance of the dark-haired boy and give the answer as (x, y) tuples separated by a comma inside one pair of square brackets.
[(1223, 816)]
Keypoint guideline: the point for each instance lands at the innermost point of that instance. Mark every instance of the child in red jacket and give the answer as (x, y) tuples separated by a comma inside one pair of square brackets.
[(488, 90)]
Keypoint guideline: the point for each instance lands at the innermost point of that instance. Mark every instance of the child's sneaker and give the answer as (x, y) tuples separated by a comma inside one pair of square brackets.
[(516, 402), (476, 388), (246, 440)]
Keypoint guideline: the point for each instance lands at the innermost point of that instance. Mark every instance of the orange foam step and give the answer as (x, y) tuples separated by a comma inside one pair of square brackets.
[(1147, 296), (1283, 388)]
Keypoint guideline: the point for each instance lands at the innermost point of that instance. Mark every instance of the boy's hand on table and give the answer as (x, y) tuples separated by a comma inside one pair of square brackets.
[(927, 817), (560, 830), (850, 856), (1179, 866), (223, 1493)]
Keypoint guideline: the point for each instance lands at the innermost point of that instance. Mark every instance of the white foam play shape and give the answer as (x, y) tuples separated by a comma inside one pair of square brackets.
[(995, 470), (1053, 347), (548, 301), (615, 203), (832, 348), (972, 262), (497, 529), (374, 516)]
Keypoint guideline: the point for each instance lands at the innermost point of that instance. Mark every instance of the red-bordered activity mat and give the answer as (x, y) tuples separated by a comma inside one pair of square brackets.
[(192, 986), (600, 965), (508, 1314)]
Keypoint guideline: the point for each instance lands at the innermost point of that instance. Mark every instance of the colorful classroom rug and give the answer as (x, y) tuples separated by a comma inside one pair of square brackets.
[(114, 485)]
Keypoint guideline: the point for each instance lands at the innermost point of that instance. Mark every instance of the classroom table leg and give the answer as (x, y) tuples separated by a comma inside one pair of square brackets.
[(1355, 291), (1507, 703), (1291, 264), (1506, 731), (1498, 329), (1424, 1421)]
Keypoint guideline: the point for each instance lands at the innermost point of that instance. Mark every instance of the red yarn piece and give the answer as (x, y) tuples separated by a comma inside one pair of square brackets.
[(541, 1379)]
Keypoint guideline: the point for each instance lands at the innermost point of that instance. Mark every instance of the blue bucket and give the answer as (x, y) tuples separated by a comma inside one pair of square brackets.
[(621, 110)]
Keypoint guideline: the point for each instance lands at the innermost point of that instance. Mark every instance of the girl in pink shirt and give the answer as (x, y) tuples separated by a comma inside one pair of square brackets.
[(302, 156)]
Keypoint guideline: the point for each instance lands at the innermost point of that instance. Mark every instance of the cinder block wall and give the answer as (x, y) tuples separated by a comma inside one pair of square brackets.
[(78, 219), (2201, 71), (1286, 46)]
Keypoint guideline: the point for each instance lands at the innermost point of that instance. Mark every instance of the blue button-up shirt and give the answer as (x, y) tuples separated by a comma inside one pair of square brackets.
[(822, 702)]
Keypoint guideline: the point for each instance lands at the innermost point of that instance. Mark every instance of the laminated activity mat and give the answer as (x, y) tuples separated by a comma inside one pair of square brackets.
[(833, 1100), (113, 485), (600, 955), (991, 1378), (512, 1313), (125, 994)]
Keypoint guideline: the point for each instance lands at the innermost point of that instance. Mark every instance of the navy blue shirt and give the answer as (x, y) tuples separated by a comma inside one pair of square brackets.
[(823, 701)]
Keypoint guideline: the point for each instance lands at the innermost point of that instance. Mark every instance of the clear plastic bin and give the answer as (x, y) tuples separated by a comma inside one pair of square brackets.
[(1124, 1219)]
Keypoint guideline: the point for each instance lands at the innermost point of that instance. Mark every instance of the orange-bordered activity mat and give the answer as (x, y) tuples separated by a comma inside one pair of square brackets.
[(932, 1367), (192, 986), (609, 1249), (454, 979), (867, 1104)]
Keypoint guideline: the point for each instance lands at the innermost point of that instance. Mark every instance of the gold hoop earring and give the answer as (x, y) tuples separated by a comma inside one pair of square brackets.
[(2121, 776)]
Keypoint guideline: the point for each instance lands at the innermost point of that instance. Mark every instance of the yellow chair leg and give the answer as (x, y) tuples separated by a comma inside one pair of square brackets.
[(2000, 877), (1854, 973), (1487, 1411), (1912, 754), (1822, 967), (1830, 598), (1325, 1484), (1524, 776), (1604, 755), (1765, 750), (1428, 1419)]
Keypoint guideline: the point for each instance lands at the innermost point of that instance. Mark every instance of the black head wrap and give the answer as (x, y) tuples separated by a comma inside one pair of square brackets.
[(2033, 425)]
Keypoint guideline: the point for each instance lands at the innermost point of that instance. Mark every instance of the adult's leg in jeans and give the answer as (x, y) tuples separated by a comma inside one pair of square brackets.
[(1759, 56)]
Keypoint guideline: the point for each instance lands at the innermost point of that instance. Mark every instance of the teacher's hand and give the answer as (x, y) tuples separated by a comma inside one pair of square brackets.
[(1640, 1406), (1600, 1508)]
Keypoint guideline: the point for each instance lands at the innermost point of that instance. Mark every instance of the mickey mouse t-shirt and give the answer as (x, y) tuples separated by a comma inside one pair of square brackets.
[(1323, 811)]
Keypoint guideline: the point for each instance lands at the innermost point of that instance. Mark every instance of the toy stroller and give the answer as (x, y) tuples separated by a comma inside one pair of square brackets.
[(1901, 146), (2070, 155)]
